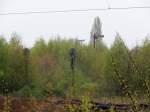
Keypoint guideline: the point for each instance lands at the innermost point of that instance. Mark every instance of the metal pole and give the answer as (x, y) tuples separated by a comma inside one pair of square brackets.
[(73, 78)]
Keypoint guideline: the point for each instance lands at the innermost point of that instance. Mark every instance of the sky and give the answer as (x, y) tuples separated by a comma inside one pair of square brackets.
[(133, 25)]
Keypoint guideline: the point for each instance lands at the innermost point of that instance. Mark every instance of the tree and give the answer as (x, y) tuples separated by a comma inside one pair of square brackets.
[(3, 55), (141, 56), (119, 52), (96, 32), (3, 63), (16, 78)]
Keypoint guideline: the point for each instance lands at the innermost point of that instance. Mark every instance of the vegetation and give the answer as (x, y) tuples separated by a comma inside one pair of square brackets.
[(100, 72), (49, 73)]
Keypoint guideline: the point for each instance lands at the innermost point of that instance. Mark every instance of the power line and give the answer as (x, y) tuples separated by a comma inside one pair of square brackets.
[(127, 8), (52, 11), (75, 10)]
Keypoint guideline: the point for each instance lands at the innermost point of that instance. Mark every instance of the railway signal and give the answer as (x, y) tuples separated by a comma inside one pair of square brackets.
[(96, 37), (73, 56)]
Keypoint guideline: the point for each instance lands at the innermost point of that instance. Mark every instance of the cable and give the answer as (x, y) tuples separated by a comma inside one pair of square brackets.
[(52, 11), (75, 10), (126, 8)]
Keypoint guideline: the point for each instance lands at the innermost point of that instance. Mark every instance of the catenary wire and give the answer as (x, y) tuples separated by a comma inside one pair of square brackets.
[(74, 10)]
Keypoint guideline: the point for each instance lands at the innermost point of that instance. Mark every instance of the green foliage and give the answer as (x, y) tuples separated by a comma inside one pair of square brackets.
[(85, 106), (49, 71)]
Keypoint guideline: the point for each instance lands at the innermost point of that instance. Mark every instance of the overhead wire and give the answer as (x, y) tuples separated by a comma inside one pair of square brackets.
[(76, 10)]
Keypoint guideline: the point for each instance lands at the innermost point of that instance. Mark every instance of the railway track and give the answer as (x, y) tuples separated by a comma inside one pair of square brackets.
[(26, 103), (101, 106)]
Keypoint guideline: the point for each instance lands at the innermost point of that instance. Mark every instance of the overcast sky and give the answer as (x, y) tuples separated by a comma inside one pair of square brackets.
[(133, 25)]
